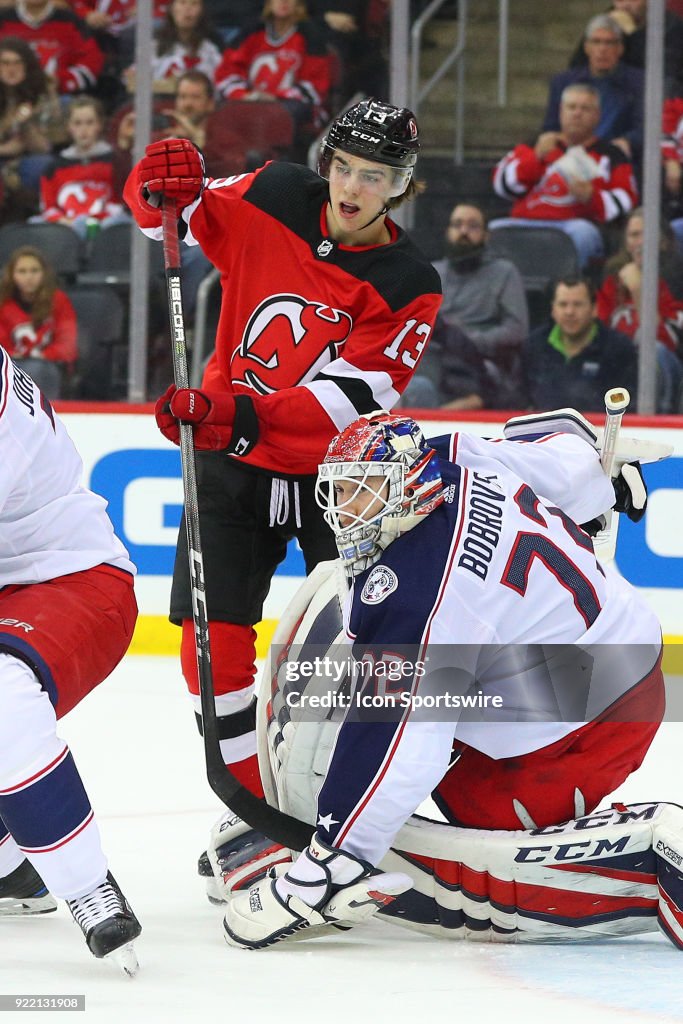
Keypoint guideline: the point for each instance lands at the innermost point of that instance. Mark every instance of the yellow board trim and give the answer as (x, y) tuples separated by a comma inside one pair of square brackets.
[(154, 634)]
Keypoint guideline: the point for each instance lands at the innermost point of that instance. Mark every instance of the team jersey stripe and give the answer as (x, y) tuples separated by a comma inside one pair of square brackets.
[(4, 380)]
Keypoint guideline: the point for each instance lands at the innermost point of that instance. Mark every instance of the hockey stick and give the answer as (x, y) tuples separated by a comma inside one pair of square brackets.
[(616, 404), (282, 828)]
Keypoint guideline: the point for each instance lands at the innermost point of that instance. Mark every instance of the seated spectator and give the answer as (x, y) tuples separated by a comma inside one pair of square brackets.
[(672, 156), (80, 184), (575, 358), (631, 16), (186, 118), (284, 59), (571, 179), (354, 30), (31, 123), (619, 303), (621, 88), (63, 43), (184, 41), (37, 321), (484, 301), (452, 374)]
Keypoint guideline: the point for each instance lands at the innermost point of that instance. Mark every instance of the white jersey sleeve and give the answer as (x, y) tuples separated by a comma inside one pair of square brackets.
[(562, 469), (50, 525)]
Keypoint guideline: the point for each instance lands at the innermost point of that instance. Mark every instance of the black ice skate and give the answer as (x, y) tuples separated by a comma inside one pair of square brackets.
[(23, 892), (108, 924)]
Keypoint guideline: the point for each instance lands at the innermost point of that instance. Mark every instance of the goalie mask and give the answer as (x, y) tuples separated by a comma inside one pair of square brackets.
[(375, 131), (378, 480)]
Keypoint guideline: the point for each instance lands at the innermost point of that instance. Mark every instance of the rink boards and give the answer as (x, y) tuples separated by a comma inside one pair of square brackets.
[(130, 464)]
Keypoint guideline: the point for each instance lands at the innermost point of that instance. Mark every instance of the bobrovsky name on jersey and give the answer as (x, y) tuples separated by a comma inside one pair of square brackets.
[(142, 483)]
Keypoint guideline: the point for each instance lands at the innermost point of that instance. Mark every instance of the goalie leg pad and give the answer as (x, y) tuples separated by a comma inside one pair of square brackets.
[(614, 872), (238, 856)]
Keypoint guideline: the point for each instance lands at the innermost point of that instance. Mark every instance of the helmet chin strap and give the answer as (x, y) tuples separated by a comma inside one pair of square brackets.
[(385, 209)]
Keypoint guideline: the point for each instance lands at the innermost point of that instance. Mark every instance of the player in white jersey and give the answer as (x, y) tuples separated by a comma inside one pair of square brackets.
[(67, 614), (471, 577)]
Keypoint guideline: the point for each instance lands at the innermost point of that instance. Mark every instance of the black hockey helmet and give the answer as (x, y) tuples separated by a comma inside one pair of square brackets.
[(375, 131)]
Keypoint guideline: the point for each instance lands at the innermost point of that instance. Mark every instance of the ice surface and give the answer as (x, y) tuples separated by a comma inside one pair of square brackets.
[(136, 745)]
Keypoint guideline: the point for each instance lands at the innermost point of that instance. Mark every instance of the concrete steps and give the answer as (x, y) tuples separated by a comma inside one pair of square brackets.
[(542, 37)]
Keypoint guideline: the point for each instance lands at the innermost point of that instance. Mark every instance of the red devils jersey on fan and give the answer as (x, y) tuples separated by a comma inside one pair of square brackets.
[(672, 126), (54, 339), (541, 192), (63, 43), (617, 308), (295, 66), (74, 186), (317, 333)]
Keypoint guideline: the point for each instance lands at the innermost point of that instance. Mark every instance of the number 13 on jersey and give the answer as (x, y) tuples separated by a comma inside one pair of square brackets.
[(409, 343)]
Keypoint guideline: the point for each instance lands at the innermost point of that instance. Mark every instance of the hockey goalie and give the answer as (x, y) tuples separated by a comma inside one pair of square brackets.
[(467, 647)]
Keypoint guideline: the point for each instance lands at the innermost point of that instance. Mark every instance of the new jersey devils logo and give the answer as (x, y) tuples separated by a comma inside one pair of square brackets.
[(287, 341)]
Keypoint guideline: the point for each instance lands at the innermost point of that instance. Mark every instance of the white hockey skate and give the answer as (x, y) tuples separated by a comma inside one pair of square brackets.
[(23, 892), (108, 924)]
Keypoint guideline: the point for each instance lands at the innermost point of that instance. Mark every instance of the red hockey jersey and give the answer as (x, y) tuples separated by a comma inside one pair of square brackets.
[(54, 339), (315, 332), (541, 192), (74, 186), (672, 127), (617, 309), (295, 66), (63, 43)]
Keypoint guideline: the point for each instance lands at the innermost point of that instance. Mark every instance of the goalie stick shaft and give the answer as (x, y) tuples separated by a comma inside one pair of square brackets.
[(616, 403), (282, 828)]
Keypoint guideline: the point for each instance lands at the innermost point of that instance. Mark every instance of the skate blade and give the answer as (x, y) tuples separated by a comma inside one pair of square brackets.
[(15, 907), (125, 957)]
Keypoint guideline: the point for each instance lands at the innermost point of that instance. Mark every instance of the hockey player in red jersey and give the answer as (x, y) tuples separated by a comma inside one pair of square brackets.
[(327, 307), (67, 613)]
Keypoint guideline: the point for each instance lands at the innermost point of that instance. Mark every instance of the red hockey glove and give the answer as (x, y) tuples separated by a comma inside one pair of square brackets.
[(222, 422), (174, 168)]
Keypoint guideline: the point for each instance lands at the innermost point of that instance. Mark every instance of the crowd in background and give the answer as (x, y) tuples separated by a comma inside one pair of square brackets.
[(247, 83)]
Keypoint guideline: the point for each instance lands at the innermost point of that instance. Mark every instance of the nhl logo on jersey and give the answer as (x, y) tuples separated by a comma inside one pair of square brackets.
[(325, 247), (380, 583)]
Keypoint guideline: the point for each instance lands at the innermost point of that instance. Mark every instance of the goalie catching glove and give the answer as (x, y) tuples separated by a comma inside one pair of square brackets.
[(221, 420), (173, 168), (324, 887), (630, 491)]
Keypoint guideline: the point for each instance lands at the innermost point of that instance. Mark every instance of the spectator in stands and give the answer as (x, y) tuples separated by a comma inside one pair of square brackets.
[(80, 185), (672, 156), (484, 307), (571, 179), (573, 359), (354, 29), (619, 304), (63, 43), (452, 374), (31, 123), (621, 88), (185, 119), (37, 321), (284, 59), (185, 40), (631, 16)]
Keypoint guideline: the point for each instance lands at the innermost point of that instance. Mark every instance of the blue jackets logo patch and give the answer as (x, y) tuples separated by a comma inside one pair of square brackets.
[(380, 583)]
